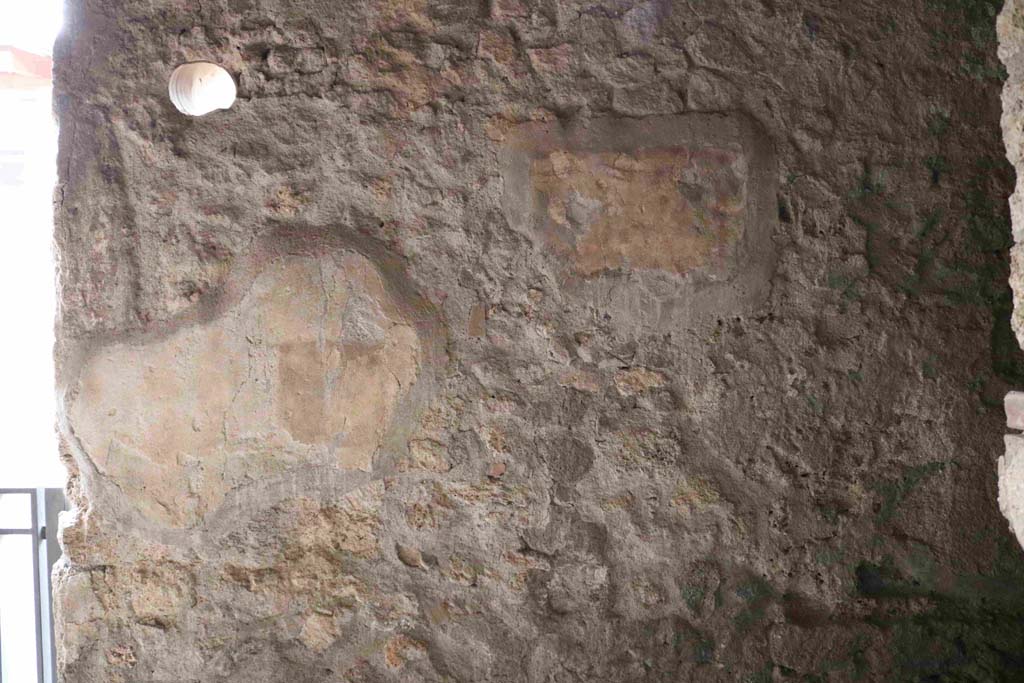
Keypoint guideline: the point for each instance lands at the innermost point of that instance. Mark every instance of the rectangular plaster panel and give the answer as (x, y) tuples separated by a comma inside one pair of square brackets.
[(681, 202)]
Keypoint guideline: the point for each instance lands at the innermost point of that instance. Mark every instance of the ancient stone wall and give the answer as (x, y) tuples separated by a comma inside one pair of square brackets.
[(536, 340), (1011, 465)]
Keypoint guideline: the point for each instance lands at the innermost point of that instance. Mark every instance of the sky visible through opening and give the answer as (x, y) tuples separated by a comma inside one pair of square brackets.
[(28, 152)]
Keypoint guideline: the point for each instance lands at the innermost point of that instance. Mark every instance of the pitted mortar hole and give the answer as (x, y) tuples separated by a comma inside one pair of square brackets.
[(198, 88)]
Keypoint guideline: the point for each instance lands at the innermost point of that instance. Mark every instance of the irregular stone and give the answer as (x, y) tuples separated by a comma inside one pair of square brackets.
[(318, 632), (1011, 485), (1013, 404), (409, 556), (400, 649), (638, 380), (695, 494), (429, 455), (161, 594)]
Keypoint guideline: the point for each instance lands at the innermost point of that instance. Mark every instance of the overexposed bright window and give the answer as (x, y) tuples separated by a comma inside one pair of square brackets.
[(28, 151), (28, 445)]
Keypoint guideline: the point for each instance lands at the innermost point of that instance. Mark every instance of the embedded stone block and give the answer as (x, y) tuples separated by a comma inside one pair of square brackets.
[(1013, 404), (1011, 485)]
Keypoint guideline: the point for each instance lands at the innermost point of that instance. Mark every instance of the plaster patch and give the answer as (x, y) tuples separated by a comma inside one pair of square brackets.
[(659, 221), (307, 367), (675, 209)]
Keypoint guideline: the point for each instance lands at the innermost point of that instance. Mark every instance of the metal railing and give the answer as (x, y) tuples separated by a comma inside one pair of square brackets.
[(28, 543)]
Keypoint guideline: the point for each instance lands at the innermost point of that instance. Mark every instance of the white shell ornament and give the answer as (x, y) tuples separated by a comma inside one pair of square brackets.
[(197, 88)]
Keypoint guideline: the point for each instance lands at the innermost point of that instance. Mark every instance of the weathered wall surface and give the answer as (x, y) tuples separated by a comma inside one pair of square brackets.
[(1011, 52), (536, 341)]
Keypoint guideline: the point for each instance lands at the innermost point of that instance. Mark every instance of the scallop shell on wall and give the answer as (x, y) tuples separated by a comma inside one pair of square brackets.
[(197, 88)]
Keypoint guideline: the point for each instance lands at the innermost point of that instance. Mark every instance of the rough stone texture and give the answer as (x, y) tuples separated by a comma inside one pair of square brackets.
[(536, 341)]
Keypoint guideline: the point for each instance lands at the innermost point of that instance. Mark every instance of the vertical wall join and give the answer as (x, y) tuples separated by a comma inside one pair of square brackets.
[(1011, 52)]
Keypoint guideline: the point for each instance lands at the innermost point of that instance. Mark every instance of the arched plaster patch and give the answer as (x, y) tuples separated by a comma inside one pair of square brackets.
[(306, 366)]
